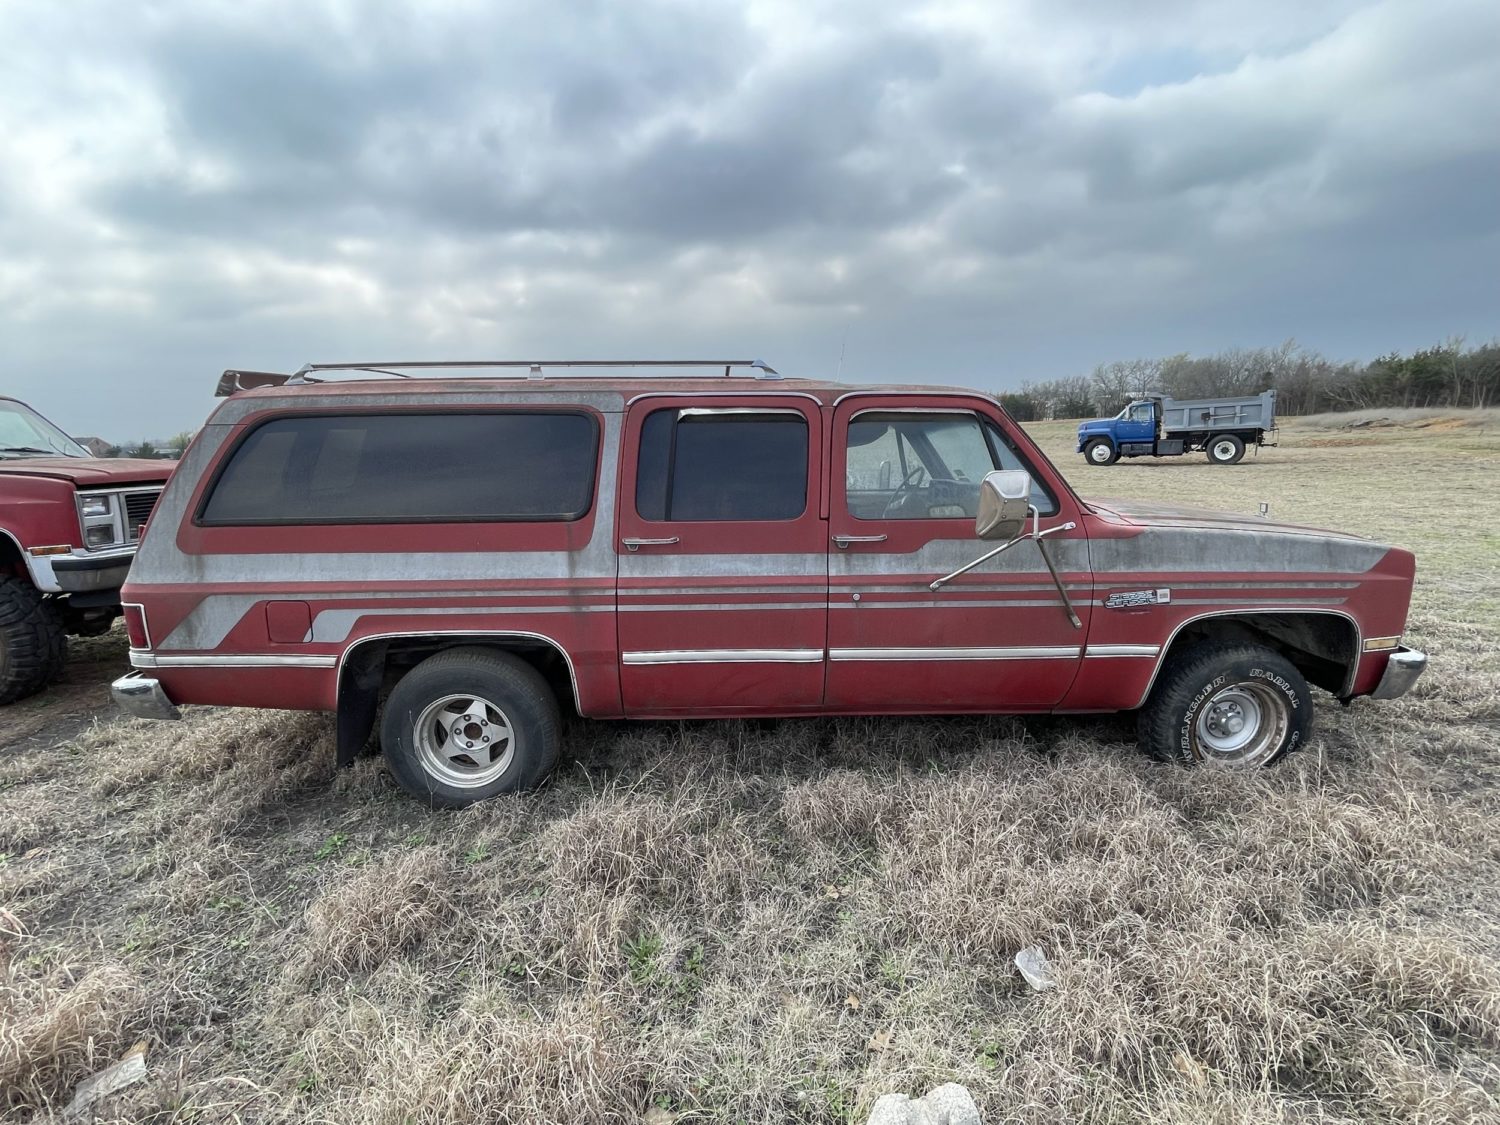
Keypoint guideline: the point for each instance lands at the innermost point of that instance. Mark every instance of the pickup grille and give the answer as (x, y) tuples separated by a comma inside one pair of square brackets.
[(138, 507)]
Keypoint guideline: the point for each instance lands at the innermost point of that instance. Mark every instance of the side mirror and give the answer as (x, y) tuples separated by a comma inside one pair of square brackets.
[(1004, 501)]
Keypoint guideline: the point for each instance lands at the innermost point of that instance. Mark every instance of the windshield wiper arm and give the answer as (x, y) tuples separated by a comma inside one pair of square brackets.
[(29, 449)]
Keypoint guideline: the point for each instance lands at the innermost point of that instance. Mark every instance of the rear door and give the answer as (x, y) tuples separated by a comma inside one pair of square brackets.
[(723, 546), (904, 494)]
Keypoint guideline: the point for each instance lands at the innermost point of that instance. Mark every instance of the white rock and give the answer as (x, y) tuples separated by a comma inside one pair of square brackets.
[(948, 1104), (1034, 967)]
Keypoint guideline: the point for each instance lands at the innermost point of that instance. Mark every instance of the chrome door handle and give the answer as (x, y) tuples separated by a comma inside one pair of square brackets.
[(637, 544), (842, 541)]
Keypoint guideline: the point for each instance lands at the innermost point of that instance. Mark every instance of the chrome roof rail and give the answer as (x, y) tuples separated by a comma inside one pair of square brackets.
[(236, 380)]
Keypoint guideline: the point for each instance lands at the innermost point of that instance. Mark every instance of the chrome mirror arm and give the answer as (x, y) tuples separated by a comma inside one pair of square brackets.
[(1036, 535)]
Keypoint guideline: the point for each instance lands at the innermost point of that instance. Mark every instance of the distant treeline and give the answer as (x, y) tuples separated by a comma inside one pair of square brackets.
[(1305, 382)]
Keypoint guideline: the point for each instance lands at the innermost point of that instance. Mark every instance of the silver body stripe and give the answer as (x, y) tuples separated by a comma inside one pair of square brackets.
[(726, 656), (1038, 653)]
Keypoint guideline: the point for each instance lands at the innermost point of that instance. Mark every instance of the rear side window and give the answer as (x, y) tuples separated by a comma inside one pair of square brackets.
[(705, 465), (406, 468)]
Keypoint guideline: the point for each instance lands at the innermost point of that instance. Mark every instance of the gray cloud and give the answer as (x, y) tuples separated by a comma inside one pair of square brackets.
[(969, 191)]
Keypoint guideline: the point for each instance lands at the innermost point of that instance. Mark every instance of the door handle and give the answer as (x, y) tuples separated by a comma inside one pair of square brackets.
[(637, 544), (842, 541)]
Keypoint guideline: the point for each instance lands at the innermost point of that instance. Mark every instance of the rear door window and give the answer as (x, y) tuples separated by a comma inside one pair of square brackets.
[(702, 465)]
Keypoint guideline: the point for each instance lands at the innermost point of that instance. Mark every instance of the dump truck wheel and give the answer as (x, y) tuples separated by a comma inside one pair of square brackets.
[(1100, 451), (1225, 449)]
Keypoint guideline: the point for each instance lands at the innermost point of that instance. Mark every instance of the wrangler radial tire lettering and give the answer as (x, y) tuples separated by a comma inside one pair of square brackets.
[(33, 648), (1239, 704), (470, 723)]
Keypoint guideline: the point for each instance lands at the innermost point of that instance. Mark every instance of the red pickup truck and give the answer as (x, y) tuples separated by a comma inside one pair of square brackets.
[(69, 524), (473, 552)]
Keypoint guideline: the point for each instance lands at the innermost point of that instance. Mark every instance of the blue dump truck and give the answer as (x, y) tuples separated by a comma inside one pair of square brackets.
[(1157, 426)]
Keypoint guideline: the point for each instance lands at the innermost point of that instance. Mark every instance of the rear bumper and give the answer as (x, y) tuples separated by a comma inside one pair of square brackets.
[(1404, 669), (143, 697)]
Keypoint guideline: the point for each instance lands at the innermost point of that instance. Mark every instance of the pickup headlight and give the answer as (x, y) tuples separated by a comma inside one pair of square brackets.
[(102, 519)]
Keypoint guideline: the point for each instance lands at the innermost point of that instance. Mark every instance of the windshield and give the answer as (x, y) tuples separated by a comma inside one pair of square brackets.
[(25, 433)]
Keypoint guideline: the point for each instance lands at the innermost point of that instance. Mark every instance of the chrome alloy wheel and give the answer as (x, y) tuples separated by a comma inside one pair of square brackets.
[(464, 741), (1243, 724)]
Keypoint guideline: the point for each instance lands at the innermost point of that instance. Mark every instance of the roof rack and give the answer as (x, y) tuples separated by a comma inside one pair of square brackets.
[(237, 380)]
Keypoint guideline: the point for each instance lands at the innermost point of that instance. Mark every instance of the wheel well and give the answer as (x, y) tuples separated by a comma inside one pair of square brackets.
[(1324, 647), (372, 666), (11, 559)]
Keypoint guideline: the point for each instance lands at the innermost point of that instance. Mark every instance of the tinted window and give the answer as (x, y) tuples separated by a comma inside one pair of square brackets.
[(396, 468), (698, 465)]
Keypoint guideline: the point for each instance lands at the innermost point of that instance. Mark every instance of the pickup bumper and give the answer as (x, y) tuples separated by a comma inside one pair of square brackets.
[(143, 697), (1405, 667), (82, 573)]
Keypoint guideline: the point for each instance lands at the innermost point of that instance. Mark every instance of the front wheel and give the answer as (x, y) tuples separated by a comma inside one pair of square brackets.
[(1100, 451), (33, 648), (1239, 704), (1226, 449), (469, 724)]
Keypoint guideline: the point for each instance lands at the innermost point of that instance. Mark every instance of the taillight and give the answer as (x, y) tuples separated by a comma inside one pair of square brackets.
[(135, 626)]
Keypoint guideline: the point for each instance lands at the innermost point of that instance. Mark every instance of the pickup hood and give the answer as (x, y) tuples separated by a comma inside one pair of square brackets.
[(1150, 513), (90, 472)]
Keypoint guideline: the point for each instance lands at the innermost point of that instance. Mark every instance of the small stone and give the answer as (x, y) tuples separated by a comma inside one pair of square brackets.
[(948, 1104)]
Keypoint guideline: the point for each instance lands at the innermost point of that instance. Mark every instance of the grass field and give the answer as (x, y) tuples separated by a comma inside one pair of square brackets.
[(780, 922)]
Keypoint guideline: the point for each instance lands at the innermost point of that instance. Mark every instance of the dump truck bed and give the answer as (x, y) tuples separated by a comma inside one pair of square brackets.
[(1255, 412)]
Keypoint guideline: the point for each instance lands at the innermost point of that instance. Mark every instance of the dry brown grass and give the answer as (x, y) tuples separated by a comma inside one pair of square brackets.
[(779, 922)]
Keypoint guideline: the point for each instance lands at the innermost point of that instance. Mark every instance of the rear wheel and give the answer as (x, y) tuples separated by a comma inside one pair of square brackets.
[(1225, 449), (469, 724), (1100, 451), (1239, 704), (33, 648)]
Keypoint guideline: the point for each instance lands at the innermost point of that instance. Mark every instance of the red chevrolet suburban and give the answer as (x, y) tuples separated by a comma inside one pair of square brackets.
[(464, 553)]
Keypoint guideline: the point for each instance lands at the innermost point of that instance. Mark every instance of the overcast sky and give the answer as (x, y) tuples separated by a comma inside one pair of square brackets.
[(972, 191)]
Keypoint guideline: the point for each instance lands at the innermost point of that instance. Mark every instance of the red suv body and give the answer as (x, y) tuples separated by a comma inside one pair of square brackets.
[(470, 551), (69, 525)]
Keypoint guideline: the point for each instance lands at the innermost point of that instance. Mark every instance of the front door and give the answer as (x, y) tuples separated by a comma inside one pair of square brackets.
[(1138, 425), (905, 493), (723, 586)]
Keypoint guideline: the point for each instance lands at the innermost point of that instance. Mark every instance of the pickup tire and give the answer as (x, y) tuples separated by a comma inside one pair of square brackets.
[(1100, 451), (1241, 705), (33, 648), (468, 724), (1225, 449)]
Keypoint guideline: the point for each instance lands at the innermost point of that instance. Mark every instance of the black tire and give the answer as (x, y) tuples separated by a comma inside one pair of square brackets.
[(1225, 449), (1193, 709), (499, 693), (33, 648), (1100, 451)]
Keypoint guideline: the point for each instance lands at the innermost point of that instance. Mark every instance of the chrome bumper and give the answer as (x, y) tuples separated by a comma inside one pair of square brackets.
[(143, 697), (1406, 665)]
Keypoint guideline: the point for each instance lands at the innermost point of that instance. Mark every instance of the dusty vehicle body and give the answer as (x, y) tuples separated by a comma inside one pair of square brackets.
[(69, 524), (1158, 426), (473, 551)]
